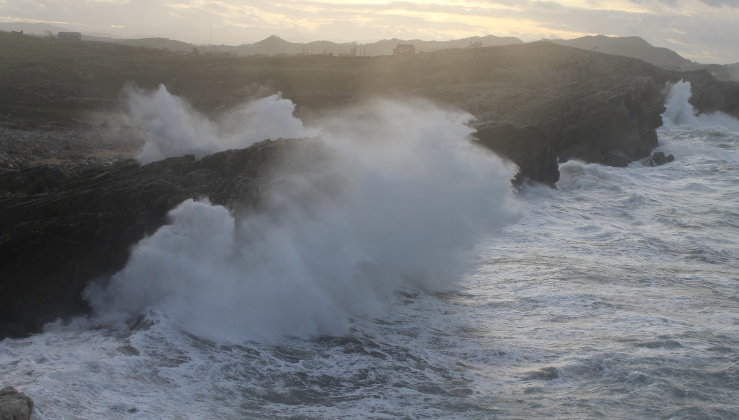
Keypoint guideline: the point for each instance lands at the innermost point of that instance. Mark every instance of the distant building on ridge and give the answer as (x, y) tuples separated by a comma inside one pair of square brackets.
[(69, 36), (352, 52), (404, 49)]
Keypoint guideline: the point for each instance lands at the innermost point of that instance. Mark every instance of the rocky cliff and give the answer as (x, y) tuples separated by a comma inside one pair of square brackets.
[(64, 226), (711, 95), (527, 147), (611, 121)]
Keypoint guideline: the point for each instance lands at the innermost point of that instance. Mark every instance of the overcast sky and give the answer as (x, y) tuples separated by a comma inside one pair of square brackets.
[(701, 30)]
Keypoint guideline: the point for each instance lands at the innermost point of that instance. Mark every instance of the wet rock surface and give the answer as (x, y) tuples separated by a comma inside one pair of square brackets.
[(544, 374), (527, 147), (658, 158), (711, 95), (15, 405)]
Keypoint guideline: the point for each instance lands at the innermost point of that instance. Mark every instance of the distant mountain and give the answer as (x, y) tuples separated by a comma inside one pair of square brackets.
[(156, 43), (727, 72), (385, 47), (634, 47), (31, 28), (275, 45)]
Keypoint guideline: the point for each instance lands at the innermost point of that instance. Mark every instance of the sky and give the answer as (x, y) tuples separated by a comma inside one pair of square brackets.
[(701, 30)]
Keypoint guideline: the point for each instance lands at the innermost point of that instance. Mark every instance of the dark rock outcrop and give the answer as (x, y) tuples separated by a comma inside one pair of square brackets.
[(711, 95), (15, 405), (65, 226), (612, 124), (612, 121), (544, 374), (526, 147), (658, 158)]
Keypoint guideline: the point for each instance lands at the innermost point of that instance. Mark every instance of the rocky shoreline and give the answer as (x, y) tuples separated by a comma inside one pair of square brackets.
[(65, 225), (73, 202)]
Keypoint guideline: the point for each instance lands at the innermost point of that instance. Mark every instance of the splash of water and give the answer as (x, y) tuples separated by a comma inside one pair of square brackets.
[(680, 113), (171, 127), (410, 198)]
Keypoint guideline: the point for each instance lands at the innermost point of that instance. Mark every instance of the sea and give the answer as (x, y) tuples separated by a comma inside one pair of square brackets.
[(407, 279)]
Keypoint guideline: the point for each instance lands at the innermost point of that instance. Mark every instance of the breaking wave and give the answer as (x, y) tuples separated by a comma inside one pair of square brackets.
[(171, 127), (680, 113), (410, 198)]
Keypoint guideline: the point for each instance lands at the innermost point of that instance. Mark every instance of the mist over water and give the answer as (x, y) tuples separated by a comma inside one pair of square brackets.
[(409, 198)]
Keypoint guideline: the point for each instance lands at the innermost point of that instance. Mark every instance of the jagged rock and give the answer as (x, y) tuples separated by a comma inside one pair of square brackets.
[(612, 121), (658, 158), (616, 157), (15, 405), (63, 227), (526, 147), (613, 125), (544, 374), (711, 95)]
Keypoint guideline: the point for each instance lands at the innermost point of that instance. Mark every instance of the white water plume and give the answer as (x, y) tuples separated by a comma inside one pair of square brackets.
[(680, 113), (171, 127), (410, 197)]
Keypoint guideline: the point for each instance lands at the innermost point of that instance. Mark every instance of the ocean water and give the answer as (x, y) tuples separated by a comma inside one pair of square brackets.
[(614, 296)]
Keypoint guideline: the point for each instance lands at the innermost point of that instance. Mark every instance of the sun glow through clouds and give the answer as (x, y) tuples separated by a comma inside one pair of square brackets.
[(691, 27)]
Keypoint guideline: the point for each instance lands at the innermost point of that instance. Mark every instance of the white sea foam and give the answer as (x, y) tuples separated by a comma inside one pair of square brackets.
[(171, 127), (410, 197)]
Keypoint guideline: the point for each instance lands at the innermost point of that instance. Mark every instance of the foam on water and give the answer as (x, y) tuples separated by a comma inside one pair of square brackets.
[(612, 297)]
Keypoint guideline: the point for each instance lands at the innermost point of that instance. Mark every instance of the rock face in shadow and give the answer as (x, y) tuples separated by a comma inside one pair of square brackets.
[(658, 159), (618, 120), (65, 226), (607, 121), (527, 147), (711, 95), (14, 405)]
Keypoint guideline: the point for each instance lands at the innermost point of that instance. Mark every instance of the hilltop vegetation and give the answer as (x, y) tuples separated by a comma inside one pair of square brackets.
[(628, 46), (62, 81)]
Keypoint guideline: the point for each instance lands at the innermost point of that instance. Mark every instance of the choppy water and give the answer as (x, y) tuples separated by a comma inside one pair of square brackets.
[(615, 296)]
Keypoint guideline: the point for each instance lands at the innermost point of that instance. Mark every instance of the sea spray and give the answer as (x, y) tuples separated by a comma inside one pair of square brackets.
[(400, 205), (170, 127), (680, 113)]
